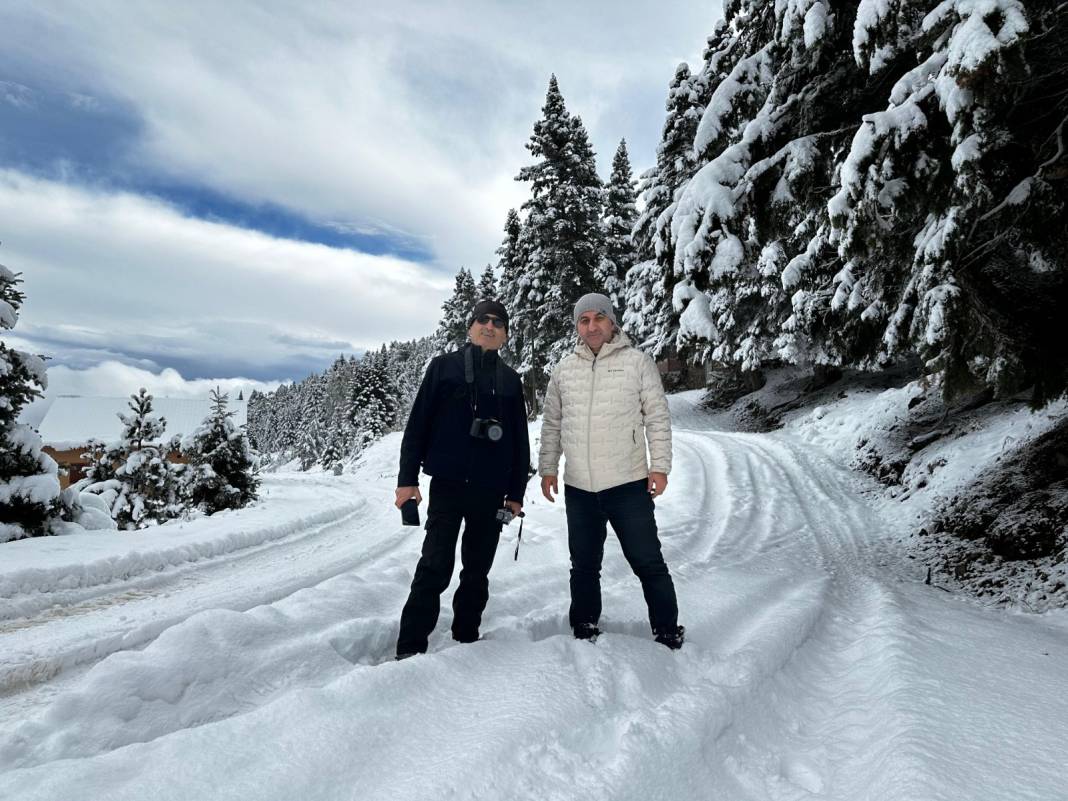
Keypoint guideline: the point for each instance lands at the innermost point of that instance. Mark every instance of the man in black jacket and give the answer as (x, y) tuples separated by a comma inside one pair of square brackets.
[(476, 468)]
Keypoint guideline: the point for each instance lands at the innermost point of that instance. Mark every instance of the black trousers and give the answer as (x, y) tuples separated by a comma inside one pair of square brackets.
[(629, 508), (452, 503)]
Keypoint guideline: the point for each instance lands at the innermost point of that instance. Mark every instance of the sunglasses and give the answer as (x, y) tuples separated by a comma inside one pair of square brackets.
[(483, 319)]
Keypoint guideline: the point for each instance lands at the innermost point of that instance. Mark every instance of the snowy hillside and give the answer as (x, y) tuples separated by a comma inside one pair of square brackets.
[(248, 655)]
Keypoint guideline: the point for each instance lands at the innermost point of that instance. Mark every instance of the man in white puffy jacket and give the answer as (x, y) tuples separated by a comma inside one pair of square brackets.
[(604, 404)]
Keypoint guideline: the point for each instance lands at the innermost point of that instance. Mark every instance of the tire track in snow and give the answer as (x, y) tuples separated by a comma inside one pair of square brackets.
[(39, 649), (856, 660), (790, 655)]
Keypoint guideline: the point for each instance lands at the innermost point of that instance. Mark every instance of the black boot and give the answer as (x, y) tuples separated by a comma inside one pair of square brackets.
[(586, 631), (671, 638)]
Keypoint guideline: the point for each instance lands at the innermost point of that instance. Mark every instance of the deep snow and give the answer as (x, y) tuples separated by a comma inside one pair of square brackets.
[(817, 663)]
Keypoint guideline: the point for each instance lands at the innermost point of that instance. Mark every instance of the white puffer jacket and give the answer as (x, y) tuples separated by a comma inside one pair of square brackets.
[(600, 411)]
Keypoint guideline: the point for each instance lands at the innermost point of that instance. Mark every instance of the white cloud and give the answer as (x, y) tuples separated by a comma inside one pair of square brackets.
[(16, 94), (112, 379), (111, 275), (413, 114)]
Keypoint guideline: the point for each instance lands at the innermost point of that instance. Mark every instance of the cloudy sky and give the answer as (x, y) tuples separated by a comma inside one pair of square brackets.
[(205, 190)]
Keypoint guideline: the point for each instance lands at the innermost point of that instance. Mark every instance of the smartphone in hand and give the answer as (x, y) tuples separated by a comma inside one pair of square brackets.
[(410, 512)]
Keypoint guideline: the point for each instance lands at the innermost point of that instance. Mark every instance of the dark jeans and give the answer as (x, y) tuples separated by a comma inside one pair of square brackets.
[(452, 503), (629, 508)]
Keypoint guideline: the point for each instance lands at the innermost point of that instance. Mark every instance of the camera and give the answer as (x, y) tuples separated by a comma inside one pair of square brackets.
[(505, 516), (487, 428)]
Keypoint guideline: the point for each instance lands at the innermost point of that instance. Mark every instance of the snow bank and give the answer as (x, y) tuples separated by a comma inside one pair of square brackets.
[(32, 569)]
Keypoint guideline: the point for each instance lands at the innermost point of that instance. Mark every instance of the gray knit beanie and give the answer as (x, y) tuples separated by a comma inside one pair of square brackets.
[(598, 303)]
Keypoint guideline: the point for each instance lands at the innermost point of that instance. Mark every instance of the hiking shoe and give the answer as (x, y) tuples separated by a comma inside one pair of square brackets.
[(586, 631), (405, 655), (671, 638)]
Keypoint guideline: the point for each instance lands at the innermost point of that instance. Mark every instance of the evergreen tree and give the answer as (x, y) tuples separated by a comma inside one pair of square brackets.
[(146, 490), (221, 472), (650, 317), (620, 216), (512, 266), (258, 422), (452, 330), (311, 442), (487, 285), (29, 478), (376, 401), (100, 460), (940, 134), (562, 242)]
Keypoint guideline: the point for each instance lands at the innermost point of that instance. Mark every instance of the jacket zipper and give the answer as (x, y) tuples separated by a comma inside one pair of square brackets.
[(474, 414), (589, 421)]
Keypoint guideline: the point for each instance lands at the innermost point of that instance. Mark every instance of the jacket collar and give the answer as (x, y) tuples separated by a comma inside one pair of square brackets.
[(619, 342), (482, 357)]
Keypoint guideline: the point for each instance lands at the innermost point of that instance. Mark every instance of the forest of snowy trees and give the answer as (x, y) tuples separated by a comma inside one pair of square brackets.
[(329, 418), (837, 185)]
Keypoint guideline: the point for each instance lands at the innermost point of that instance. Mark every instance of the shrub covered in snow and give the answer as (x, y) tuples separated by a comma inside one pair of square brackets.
[(221, 471), (29, 478), (144, 487)]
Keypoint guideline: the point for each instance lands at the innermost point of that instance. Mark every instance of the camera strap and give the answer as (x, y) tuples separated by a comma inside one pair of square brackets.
[(469, 377), (519, 538)]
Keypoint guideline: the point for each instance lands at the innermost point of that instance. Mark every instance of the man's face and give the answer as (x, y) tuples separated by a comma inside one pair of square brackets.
[(594, 328), (485, 333)]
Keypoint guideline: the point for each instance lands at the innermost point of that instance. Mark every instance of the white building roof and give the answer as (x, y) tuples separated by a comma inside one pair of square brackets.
[(72, 420)]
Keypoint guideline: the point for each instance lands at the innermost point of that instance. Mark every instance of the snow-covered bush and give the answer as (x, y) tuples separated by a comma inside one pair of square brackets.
[(221, 470), (29, 478), (144, 488)]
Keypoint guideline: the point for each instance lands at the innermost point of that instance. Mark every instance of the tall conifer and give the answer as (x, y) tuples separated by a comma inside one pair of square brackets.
[(562, 241), (620, 215)]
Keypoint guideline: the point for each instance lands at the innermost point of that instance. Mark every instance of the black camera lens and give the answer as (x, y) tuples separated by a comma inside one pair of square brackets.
[(494, 431)]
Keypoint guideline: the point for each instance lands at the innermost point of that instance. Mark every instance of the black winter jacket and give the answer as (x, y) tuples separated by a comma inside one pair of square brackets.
[(438, 434)]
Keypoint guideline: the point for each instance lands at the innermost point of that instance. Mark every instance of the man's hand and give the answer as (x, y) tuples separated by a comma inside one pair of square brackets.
[(405, 494), (549, 483), (657, 484), (515, 507)]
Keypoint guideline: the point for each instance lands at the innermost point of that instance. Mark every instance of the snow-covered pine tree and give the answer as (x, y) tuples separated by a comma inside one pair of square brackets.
[(649, 317), (511, 265), (221, 471), (452, 329), (29, 478), (311, 442), (940, 133), (100, 462), (487, 285), (376, 402), (620, 216), (948, 222), (147, 490), (406, 364), (259, 420), (562, 242), (515, 297)]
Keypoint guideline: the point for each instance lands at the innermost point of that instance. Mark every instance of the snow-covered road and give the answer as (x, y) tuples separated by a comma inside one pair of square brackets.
[(816, 665)]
